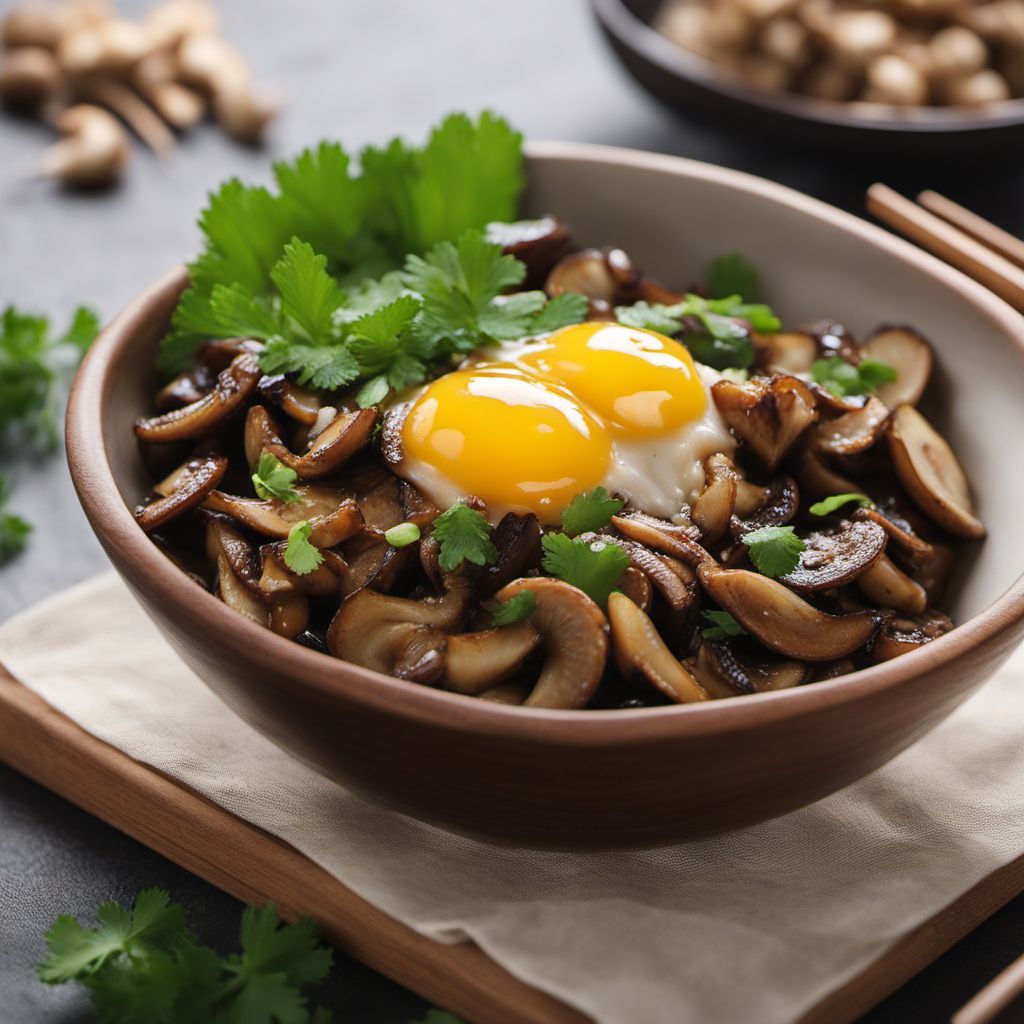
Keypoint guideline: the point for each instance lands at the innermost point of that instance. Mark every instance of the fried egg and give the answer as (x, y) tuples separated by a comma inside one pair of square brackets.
[(533, 423)]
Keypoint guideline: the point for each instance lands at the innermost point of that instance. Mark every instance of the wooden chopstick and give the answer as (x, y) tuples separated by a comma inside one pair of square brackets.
[(949, 243), (977, 227), (987, 1004)]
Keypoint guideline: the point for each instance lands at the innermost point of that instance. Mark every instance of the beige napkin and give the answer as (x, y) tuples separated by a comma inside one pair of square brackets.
[(756, 926)]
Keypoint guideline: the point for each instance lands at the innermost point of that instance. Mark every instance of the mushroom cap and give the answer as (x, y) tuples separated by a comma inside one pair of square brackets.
[(338, 442), (852, 432), (185, 489), (837, 555), (715, 504), (887, 586), (928, 469), (575, 639), (480, 661), (779, 505), (910, 355)]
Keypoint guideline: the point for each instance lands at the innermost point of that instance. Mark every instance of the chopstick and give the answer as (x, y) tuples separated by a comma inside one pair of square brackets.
[(949, 243), (977, 227), (994, 997)]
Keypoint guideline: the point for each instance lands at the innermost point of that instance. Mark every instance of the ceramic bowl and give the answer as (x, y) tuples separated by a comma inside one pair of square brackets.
[(696, 87), (605, 779)]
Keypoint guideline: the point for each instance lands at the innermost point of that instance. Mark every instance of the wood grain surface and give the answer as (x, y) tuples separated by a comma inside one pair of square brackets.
[(202, 837)]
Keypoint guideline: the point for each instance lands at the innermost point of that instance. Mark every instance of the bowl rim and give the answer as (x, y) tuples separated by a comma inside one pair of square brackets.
[(210, 622), (630, 30)]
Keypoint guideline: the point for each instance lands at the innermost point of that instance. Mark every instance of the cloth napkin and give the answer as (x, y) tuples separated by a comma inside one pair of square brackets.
[(756, 926)]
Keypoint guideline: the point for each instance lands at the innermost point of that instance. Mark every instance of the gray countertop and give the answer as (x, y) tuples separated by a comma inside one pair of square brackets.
[(361, 71)]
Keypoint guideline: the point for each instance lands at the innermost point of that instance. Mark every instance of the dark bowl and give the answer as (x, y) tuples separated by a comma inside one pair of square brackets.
[(602, 779), (695, 87)]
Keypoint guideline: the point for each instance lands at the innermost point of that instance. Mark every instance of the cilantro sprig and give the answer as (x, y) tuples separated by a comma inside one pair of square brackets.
[(594, 566), (145, 964), (589, 512), (273, 479), (463, 535), (835, 502), (14, 530), (518, 607), (300, 554), (774, 550), (844, 379)]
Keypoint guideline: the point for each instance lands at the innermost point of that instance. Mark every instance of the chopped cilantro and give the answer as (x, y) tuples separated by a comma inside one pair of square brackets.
[(732, 274), (464, 535), (146, 964), (402, 535), (590, 511), (774, 550), (829, 505), (593, 566), (518, 607), (723, 625), (843, 378), (273, 479), (301, 556)]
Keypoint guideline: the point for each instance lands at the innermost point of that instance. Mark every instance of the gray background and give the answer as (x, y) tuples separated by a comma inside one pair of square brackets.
[(362, 71)]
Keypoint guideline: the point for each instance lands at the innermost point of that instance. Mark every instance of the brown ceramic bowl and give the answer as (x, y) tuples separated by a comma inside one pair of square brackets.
[(696, 87), (578, 779)]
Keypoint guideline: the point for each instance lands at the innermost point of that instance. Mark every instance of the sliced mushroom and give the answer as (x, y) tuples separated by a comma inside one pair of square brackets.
[(378, 493), (277, 577), (714, 506), (781, 620), (888, 587), (732, 674), (512, 693), (902, 635), (297, 402), (910, 547), (834, 340), (375, 564), (818, 478), (640, 651), (909, 355), (934, 574), (852, 432), (836, 556), (575, 637), (586, 272), (479, 661), (517, 540), (186, 388), (237, 596), (928, 469), (636, 585), (679, 595), (537, 243), (333, 518), (261, 433), (185, 489), (793, 352), (219, 353), (232, 390), (677, 541), (289, 613), (780, 501), (831, 404), (338, 442), (224, 540), (767, 415)]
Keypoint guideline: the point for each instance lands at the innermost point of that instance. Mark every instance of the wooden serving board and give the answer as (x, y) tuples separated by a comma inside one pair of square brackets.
[(202, 837)]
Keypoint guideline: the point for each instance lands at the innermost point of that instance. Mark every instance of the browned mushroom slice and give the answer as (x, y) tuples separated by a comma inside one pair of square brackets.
[(834, 339), (767, 415), (416, 506), (780, 503), (375, 564), (911, 548), (640, 651), (586, 272), (378, 494), (735, 674), (333, 518), (636, 585), (888, 587), (289, 613), (231, 392), (781, 620), (928, 469), (833, 669), (909, 355), (506, 693), (261, 433), (301, 405), (575, 639), (323, 581), (818, 479), (219, 353), (237, 596), (852, 432), (342, 438), (224, 540), (792, 352), (712, 509), (517, 540), (831, 404), (679, 594), (186, 388), (479, 661), (537, 243), (836, 556), (185, 489), (902, 635)]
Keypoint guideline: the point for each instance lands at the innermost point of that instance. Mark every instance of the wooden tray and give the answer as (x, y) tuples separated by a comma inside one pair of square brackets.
[(177, 822)]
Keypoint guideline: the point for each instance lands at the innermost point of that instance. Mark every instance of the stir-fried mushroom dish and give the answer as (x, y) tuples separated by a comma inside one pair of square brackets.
[(596, 493)]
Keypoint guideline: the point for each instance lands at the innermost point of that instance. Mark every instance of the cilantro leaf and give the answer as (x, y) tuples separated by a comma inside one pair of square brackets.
[(561, 311), (273, 479), (468, 174), (845, 379), (723, 625), (240, 314), (590, 511), (82, 331), (732, 274), (593, 566), (301, 556), (774, 550), (383, 346), (832, 504), (518, 607), (324, 366), (464, 535), (309, 295)]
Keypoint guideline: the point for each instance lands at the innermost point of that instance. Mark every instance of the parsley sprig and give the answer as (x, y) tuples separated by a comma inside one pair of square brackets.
[(144, 963), (774, 550), (844, 379), (593, 565), (273, 479), (589, 512), (463, 535), (518, 607), (300, 554)]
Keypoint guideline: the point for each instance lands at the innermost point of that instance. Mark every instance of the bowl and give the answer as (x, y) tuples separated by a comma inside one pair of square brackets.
[(696, 87), (626, 778)]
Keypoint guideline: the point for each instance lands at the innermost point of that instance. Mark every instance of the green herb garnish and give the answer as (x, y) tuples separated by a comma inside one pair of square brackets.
[(463, 535), (774, 550), (827, 506), (723, 625), (590, 511), (732, 274), (145, 964), (594, 566), (301, 556), (273, 479), (402, 535), (518, 607), (14, 530), (844, 379)]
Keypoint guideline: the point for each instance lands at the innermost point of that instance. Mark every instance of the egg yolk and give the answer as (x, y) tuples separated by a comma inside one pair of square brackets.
[(638, 381), (513, 440)]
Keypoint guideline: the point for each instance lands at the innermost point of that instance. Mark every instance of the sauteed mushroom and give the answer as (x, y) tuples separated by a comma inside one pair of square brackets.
[(836, 556), (332, 518), (712, 509), (186, 488), (909, 355), (853, 432), (478, 661), (887, 587)]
